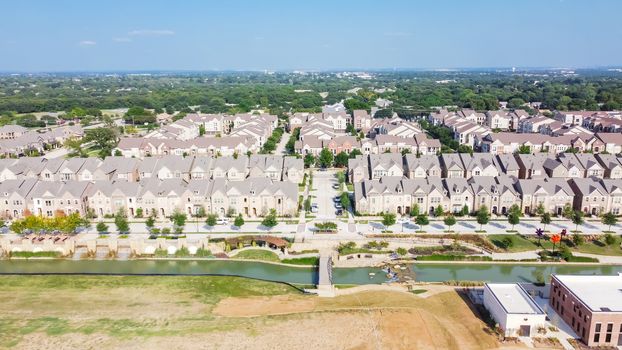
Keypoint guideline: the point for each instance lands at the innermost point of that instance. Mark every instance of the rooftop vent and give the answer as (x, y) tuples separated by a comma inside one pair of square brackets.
[(606, 309)]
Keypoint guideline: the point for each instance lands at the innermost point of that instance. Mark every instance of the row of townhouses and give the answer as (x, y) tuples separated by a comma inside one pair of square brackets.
[(226, 185), (251, 197), (318, 131), (498, 193), (16, 140), (464, 165), (276, 168), (223, 135)]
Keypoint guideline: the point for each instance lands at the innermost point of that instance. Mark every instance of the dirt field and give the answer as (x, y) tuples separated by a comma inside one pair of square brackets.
[(225, 313)]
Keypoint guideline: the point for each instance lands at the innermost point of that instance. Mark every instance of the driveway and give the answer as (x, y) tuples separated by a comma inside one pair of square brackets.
[(324, 193)]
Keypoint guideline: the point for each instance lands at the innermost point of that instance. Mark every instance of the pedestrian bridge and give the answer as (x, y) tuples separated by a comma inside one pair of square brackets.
[(325, 287)]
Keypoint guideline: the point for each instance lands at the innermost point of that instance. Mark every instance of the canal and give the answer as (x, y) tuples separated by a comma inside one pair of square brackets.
[(301, 275)]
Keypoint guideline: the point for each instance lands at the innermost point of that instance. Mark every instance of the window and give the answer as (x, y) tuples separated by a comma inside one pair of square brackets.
[(596, 337)]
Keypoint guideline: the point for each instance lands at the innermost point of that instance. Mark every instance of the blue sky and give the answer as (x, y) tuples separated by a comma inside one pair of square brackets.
[(81, 35)]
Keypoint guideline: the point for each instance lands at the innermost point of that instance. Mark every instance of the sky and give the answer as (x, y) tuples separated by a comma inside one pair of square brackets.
[(138, 35)]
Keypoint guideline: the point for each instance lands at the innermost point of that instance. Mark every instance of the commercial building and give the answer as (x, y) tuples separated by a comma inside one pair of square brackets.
[(513, 309), (591, 305)]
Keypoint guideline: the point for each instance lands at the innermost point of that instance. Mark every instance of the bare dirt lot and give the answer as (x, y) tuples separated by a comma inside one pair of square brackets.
[(225, 313)]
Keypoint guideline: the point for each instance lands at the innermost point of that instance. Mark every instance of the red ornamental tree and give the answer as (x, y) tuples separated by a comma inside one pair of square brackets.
[(555, 239)]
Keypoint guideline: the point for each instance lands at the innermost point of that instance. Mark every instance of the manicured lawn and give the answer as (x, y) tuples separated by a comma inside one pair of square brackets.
[(526, 243), (257, 254), (599, 247)]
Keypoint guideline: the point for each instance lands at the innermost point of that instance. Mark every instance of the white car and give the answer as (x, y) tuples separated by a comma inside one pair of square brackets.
[(222, 221)]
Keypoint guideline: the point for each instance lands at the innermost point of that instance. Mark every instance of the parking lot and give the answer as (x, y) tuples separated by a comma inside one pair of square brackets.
[(324, 193)]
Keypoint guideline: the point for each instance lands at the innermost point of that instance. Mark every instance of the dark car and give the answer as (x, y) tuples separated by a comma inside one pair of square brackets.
[(339, 212)]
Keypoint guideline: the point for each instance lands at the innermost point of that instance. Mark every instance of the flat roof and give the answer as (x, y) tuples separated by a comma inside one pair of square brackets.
[(600, 293), (513, 298)]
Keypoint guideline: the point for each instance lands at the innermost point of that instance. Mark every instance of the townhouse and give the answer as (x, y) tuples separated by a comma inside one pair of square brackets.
[(386, 164), (422, 167), (499, 120), (591, 197), (611, 164), (552, 193), (452, 165)]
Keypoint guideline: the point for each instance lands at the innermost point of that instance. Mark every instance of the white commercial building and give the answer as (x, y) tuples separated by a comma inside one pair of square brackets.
[(513, 309)]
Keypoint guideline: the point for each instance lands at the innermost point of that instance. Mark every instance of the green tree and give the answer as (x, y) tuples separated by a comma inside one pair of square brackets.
[(513, 219), (309, 160), (524, 149), (239, 221), (345, 200), (414, 210), (120, 220), (179, 219), (540, 210), (150, 223), (325, 160), (449, 220), (439, 211), (567, 212), (341, 160), (101, 227), (270, 220), (355, 152), (388, 219), (546, 219), (422, 220), (201, 129), (577, 219), (103, 138), (609, 219), (483, 217), (577, 239), (211, 220)]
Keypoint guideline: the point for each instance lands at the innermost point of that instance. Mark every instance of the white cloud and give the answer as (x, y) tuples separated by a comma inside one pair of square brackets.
[(151, 32), (87, 43), (122, 40)]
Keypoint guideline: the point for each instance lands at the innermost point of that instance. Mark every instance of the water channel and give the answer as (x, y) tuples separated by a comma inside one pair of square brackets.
[(301, 275)]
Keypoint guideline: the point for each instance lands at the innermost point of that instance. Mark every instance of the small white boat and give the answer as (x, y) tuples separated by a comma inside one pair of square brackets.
[(372, 274), (396, 266)]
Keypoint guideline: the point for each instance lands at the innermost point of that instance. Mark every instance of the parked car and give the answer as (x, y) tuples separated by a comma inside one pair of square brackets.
[(338, 205), (336, 186), (222, 221), (337, 199), (314, 208), (339, 212), (403, 220)]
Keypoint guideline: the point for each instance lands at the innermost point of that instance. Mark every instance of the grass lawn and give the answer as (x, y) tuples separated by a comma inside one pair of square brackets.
[(522, 243), (257, 254)]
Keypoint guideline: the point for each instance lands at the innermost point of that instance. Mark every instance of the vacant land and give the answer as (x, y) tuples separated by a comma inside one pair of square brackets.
[(225, 313)]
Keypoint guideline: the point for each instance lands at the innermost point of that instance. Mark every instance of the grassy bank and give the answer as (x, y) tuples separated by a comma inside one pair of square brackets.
[(521, 243), (257, 254)]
